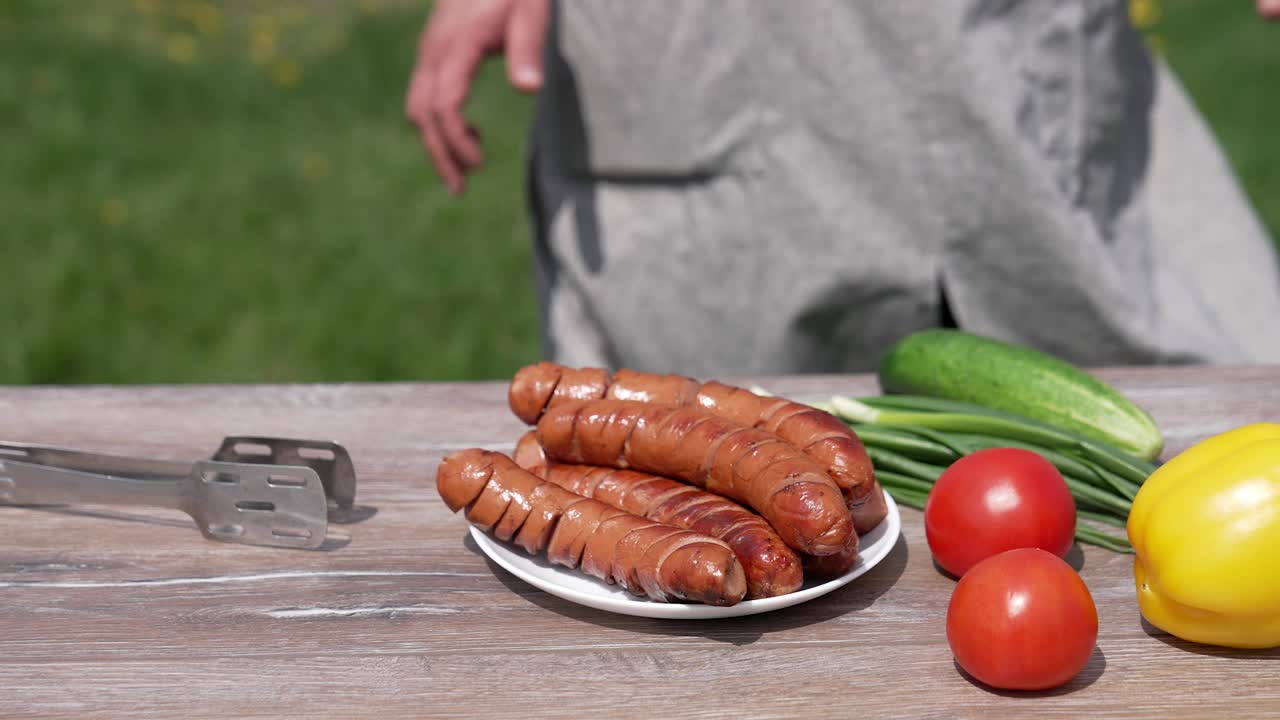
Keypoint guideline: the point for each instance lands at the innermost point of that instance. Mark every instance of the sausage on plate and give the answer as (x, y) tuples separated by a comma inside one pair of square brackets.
[(770, 566), (752, 466), (657, 560), (826, 439)]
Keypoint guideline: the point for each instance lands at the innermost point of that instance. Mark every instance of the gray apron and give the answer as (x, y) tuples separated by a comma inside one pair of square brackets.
[(733, 187)]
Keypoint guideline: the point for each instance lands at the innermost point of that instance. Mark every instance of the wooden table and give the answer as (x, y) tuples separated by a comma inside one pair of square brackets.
[(123, 611)]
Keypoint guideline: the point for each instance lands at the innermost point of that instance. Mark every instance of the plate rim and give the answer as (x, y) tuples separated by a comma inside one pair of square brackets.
[(514, 560)]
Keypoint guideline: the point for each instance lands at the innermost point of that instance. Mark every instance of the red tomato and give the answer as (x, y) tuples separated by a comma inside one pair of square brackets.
[(996, 500), (1022, 620)]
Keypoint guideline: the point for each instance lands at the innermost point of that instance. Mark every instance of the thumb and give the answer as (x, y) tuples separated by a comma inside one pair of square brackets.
[(1269, 9), (526, 34)]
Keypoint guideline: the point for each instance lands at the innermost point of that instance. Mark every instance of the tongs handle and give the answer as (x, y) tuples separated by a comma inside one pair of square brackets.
[(23, 483), (93, 462)]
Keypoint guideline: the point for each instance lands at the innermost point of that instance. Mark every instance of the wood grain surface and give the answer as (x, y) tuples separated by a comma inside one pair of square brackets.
[(110, 612)]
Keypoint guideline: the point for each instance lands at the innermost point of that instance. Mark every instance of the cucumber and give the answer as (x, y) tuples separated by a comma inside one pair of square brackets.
[(959, 365)]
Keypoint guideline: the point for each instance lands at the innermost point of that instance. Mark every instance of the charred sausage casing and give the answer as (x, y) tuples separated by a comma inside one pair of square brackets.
[(656, 560), (830, 442), (770, 566), (754, 467)]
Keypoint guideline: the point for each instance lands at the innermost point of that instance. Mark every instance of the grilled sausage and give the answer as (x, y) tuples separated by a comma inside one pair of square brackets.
[(656, 560), (765, 559), (770, 566), (751, 466), (826, 439), (826, 567)]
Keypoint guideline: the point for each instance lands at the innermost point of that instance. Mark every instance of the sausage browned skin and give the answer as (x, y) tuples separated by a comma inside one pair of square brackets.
[(770, 566), (826, 567), (687, 443), (826, 439), (657, 560), (765, 577), (821, 435)]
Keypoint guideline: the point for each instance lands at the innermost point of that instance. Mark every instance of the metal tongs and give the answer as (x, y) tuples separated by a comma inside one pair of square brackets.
[(255, 490)]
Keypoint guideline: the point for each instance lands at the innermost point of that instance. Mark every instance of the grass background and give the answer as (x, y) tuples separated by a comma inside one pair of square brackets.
[(196, 191)]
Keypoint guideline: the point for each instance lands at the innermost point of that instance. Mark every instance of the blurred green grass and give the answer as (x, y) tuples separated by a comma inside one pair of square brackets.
[(209, 219), (228, 191), (1229, 61)]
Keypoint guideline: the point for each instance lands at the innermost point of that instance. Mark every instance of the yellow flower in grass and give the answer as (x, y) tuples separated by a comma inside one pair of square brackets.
[(1144, 13), (314, 166), (113, 212), (264, 39), (181, 48), (43, 80), (264, 24), (262, 49), (293, 14), (100, 23), (286, 73), (207, 18)]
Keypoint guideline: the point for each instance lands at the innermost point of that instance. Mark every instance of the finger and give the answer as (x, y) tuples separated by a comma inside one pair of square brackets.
[(416, 99), (418, 109), (451, 86), (526, 34), (447, 167), (1269, 9), (419, 93)]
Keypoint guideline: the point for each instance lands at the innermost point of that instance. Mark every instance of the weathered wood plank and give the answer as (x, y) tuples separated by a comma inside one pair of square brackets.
[(125, 611)]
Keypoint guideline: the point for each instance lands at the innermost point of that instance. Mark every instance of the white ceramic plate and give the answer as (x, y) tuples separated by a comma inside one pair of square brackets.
[(583, 589)]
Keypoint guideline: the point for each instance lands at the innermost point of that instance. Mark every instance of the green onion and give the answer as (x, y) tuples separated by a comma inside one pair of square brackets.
[(947, 440), (1119, 461), (910, 498), (911, 440), (1121, 485), (1101, 497), (922, 403), (1130, 468), (1065, 463), (889, 460), (823, 405), (897, 481), (853, 411), (1089, 535), (1102, 517), (908, 444)]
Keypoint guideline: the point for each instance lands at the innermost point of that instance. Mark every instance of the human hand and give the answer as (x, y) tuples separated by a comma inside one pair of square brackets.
[(458, 36), (1269, 9)]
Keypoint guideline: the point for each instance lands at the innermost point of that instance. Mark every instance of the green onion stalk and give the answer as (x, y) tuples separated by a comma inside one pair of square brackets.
[(911, 440)]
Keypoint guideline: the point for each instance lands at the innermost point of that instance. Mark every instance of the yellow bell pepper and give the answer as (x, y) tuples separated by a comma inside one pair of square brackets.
[(1205, 528)]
